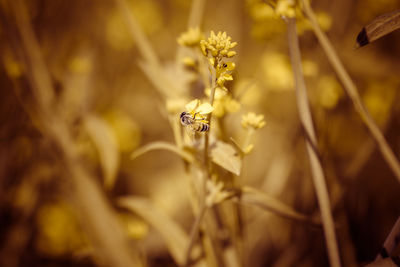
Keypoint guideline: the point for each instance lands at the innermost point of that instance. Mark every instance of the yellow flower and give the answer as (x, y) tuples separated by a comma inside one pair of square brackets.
[(231, 105), (329, 92), (286, 8), (219, 45), (223, 78), (223, 102), (189, 62), (200, 110), (219, 92), (191, 37), (223, 71), (277, 71), (253, 120)]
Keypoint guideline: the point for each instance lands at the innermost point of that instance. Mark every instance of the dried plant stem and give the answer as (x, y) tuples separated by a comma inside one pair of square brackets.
[(96, 214), (352, 92), (196, 13), (38, 75), (194, 233), (142, 43), (209, 116), (151, 67), (311, 141)]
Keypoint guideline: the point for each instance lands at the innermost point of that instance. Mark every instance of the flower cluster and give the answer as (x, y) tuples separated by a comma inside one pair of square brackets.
[(216, 48), (191, 37), (251, 120), (286, 8), (219, 45)]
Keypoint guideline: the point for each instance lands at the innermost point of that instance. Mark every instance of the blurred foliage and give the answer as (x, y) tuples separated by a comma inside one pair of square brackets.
[(104, 94)]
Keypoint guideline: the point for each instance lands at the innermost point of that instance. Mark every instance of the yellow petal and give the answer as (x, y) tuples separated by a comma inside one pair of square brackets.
[(191, 106), (205, 108), (231, 54), (248, 149), (230, 66), (228, 77)]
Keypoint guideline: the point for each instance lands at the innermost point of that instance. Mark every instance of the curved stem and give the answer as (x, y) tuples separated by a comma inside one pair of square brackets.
[(206, 136), (196, 13), (311, 142), (194, 233), (352, 92)]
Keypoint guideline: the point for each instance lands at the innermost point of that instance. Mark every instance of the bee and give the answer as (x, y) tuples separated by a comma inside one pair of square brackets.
[(194, 124)]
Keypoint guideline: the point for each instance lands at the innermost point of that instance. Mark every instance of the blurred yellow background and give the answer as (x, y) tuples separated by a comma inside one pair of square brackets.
[(108, 98)]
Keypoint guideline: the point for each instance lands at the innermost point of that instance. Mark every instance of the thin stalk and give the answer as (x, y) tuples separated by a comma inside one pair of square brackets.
[(151, 67), (352, 92), (194, 233), (311, 141), (39, 76), (196, 13), (102, 226), (209, 116), (140, 38), (249, 137)]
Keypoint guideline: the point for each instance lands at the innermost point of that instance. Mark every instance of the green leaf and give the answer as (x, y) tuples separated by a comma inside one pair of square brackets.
[(166, 146), (105, 141), (174, 236), (226, 156)]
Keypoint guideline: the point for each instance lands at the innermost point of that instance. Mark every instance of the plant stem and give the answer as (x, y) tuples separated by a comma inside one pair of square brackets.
[(352, 92), (206, 135), (152, 67), (196, 13), (140, 38), (95, 213), (194, 233), (311, 142)]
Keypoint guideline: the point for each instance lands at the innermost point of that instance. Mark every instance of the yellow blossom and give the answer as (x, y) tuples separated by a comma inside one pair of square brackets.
[(310, 68), (13, 68), (191, 37), (223, 73), (231, 105), (223, 78), (224, 105), (277, 71), (189, 62), (286, 8), (330, 92), (253, 120), (219, 93), (248, 149), (223, 102), (218, 45), (195, 107)]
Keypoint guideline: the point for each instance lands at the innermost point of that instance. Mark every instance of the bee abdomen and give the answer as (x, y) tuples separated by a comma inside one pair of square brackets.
[(204, 127)]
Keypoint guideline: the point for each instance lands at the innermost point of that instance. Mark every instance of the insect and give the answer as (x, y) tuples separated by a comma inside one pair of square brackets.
[(193, 123)]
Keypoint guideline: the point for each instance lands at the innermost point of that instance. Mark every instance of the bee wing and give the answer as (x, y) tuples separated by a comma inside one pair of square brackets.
[(189, 137)]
